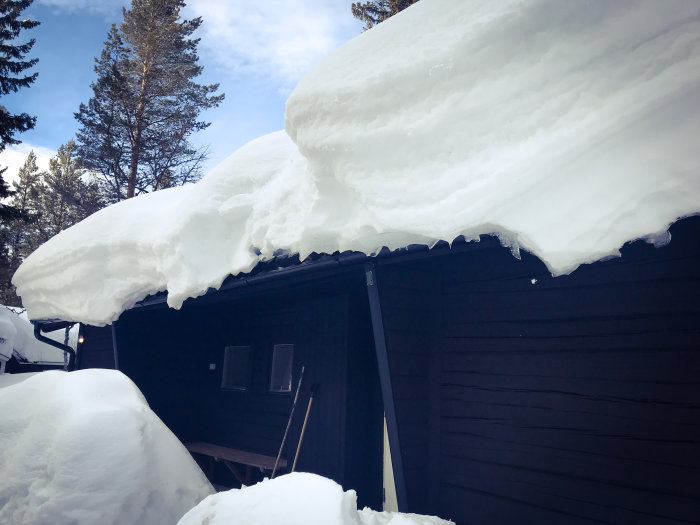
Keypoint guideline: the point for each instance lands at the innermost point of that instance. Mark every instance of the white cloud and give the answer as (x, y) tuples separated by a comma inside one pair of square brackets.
[(14, 156), (110, 9), (275, 40)]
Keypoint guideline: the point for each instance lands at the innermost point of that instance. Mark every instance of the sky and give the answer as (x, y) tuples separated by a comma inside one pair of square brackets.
[(256, 50)]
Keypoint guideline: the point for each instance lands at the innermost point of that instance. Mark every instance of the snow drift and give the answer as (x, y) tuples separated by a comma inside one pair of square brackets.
[(83, 447), (565, 128), (295, 499)]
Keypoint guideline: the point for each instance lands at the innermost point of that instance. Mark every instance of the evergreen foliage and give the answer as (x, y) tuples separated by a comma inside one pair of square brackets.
[(134, 131), (65, 197), (18, 231), (376, 11), (46, 202), (6, 212), (12, 78)]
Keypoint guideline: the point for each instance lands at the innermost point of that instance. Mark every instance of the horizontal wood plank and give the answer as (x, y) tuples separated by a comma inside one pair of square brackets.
[(237, 456)]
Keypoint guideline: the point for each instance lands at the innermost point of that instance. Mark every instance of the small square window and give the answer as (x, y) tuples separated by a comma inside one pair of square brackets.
[(281, 372), (236, 373)]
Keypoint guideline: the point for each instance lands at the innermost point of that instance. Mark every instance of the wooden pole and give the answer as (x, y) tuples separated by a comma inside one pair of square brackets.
[(314, 388), (289, 422)]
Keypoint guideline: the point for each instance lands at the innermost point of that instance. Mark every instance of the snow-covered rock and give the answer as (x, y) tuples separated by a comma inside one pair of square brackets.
[(294, 499), (83, 447), (565, 128), (17, 338)]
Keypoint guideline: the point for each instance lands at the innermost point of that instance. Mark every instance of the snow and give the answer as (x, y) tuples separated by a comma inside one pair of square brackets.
[(17, 338), (83, 447), (8, 333), (565, 128), (294, 499)]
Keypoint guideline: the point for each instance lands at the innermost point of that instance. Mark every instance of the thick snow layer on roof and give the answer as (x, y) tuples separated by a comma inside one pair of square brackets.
[(83, 447), (17, 338), (565, 128), (294, 499)]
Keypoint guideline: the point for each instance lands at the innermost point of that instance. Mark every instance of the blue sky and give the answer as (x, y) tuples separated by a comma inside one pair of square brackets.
[(256, 50)]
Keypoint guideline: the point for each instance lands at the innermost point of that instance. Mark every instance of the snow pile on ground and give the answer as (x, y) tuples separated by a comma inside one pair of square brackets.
[(294, 499), (83, 447), (566, 128), (17, 338)]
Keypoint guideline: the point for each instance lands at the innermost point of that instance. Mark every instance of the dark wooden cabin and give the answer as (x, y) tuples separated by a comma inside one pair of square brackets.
[(176, 357), (512, 397)]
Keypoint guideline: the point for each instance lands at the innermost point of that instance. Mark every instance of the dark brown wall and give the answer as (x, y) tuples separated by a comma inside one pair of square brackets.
[(168, 352), (571, 400), (364, 420), (408, 293), (160, 350), (98, 350)]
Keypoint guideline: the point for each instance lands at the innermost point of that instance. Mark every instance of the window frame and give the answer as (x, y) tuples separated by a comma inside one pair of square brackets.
[(248, 369), (288, 369)]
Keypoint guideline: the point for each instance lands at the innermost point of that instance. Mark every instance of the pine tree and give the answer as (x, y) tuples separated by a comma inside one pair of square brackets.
[(20, 232), (6, 212), (26, 200), (12, 78), (134, 131), (376, 11), (65, 198), (47, 203)]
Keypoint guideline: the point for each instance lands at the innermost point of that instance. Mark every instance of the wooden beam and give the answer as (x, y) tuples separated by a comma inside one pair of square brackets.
[(243, 457), (234, 470), (114, 345), (375, 309)]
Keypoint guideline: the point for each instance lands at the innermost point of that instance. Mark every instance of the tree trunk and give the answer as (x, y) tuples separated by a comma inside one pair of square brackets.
[(134, 164), (136, 144)]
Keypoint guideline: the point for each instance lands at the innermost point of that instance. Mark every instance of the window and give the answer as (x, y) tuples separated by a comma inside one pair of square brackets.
[(236, 374), (281, 372)]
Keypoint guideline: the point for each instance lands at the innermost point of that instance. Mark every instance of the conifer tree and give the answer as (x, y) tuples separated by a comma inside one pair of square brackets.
[(26, 200), (134, 131), (376, 11), (65, 198), (5, 192), (47, 202), (12, 78), (20, 232)]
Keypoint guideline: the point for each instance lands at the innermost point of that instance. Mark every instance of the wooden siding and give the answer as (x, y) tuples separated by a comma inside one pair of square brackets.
[(168, 354), (364, 419), (568, 400), (159, 351), (322, 339), (96, 350), (408, 294)]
